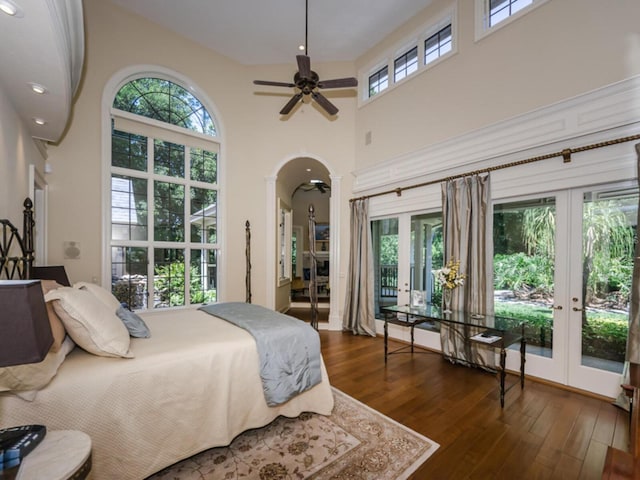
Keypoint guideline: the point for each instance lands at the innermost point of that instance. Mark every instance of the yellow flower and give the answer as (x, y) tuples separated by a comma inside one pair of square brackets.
[(449, 276)]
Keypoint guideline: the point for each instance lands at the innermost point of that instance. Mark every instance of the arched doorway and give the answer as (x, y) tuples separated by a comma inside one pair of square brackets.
[(298, 183)]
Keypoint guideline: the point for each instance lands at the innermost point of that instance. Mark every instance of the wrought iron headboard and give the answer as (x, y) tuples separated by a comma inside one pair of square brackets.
[(16, 251)]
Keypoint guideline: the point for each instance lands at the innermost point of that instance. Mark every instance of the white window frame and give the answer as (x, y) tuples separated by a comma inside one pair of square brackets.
[(157, 130), (406, 74), (482, 17), (375, 72), (448, 16), (430, 33)]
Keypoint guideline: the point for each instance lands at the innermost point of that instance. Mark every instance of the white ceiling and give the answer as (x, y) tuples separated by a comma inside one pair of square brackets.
[(44, 44), (255, 32)]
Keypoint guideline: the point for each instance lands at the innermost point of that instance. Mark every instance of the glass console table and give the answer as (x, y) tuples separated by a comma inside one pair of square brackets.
[(478, 329)]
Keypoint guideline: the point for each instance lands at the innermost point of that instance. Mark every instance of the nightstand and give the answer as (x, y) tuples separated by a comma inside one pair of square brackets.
[(62, 455)]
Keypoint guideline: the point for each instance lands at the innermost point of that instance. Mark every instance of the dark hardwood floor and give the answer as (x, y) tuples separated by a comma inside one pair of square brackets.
[(543, 432)]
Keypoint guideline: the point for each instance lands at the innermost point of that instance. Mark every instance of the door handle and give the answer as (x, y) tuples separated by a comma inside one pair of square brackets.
[(559, 307), (576, 309)]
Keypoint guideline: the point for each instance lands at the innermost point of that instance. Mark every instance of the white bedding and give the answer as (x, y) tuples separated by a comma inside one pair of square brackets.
[(193, 385)]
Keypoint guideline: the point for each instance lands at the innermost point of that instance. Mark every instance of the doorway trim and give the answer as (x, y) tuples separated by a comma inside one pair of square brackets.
[(334, 237)]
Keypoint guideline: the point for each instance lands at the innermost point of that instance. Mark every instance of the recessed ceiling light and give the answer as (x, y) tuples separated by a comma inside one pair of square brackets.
[(37, 88), (10, 8), (39, 121), (308, 169)]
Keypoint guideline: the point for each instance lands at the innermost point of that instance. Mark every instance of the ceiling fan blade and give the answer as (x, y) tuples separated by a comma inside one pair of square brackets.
[(304, 66), (325, 103), (290, 104), (273, 84), (338, 83)]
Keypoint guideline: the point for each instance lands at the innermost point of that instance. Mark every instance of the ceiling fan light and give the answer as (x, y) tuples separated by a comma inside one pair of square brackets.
[(301, 48)]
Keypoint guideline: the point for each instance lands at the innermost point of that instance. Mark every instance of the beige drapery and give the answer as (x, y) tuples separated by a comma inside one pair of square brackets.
[(359, 316), (467, 228)]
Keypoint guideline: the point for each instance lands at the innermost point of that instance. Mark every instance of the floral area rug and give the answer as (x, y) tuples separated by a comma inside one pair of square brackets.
[(354, 442)]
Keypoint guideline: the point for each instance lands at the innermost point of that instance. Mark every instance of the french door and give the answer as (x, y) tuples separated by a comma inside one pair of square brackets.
[(407, 248), (563, 262)]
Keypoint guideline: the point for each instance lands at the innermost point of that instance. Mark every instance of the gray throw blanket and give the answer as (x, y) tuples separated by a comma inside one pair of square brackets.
[(288, 348)]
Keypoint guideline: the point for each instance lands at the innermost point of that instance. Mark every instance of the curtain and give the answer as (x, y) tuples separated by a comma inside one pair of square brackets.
[(633, 338), (359, 317), (467, 239)]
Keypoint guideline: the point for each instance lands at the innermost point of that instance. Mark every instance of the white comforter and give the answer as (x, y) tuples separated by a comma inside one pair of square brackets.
[(193, 385)]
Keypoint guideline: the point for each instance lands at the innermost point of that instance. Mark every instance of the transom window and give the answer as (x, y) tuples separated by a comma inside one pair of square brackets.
[(164, 197), (406, 64), (424, 50), (437, 45), (500, 10), (492, 15), (379, 81)]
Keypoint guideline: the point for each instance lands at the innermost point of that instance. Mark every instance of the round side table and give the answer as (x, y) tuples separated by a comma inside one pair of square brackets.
[(62, 455)]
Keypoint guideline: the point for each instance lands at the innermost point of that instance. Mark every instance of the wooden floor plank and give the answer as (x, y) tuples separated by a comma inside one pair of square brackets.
[(458, 407)]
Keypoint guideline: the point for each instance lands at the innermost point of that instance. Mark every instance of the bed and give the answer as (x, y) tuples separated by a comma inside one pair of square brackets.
[(194, 384)]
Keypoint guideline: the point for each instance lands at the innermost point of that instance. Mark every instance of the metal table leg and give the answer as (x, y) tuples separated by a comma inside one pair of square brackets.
[(386, 337), (503, 373)]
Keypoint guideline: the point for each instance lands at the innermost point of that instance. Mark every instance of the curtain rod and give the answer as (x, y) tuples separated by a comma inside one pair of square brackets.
[(565, 154)]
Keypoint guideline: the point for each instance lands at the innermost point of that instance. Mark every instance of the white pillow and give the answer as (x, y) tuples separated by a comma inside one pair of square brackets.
[(90, 323), (105, 296)]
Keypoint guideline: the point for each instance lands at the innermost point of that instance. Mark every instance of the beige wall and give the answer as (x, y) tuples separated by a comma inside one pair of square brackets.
[(557, 51), (256, 141), (17, 152)]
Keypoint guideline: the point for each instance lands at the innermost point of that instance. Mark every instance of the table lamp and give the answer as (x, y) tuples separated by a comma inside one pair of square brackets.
[(25, 331), (25, 337)]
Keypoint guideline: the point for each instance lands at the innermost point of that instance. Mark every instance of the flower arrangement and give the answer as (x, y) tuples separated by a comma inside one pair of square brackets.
[(449, 276)]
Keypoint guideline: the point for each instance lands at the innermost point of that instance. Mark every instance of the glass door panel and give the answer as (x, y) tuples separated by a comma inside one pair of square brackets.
[(609, 221), (426, 254), (523, 268), (384, 235)]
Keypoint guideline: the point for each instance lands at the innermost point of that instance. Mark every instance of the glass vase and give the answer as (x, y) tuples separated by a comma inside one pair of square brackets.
[(446, 300)]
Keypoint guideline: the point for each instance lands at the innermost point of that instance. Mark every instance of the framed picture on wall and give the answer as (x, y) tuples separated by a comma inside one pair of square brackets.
[(322, 232)]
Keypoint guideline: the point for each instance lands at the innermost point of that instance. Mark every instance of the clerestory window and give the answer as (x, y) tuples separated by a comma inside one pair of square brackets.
[(494, 14), (405, 64), (164, 197), (437, 45), (379, 81)]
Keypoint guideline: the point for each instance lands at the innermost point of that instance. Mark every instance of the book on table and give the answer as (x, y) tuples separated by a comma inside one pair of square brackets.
[(486, 337)]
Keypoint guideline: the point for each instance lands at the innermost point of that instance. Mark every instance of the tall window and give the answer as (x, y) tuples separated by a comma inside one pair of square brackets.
[(164, 197), (379, 81), (405, 64)]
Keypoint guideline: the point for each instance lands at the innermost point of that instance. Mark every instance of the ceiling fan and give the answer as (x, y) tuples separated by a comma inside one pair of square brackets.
[(307, 82)]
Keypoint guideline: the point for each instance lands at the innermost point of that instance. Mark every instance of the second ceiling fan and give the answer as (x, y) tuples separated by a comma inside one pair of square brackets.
[(307, 82)]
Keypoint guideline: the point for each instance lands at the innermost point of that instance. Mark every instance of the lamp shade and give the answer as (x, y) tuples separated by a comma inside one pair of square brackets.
[(25, 331)]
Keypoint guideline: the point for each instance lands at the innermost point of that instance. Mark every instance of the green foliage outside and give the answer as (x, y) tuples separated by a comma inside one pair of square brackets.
[(169, 286), (519, 271), (389, 249), (164, 101), (524, 262), (167, 102)]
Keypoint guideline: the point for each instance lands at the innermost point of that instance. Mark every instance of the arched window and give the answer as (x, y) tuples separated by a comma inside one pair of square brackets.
[(164, 196)]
